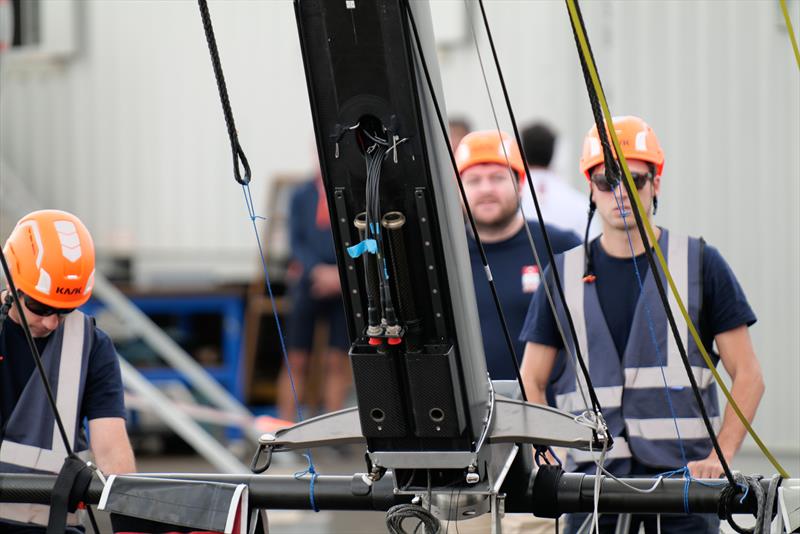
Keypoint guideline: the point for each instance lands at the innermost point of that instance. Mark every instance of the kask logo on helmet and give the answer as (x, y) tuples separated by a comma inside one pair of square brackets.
[(67, 291)]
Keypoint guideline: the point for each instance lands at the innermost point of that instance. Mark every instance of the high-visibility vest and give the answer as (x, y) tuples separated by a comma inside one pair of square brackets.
[(31, 442), (631, 388)]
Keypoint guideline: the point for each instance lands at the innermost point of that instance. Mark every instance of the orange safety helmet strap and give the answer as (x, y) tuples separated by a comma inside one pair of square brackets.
[(489, 146), (637, 140), (50, 254)]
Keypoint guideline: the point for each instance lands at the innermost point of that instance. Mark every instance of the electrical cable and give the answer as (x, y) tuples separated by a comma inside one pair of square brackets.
[(400, 512)]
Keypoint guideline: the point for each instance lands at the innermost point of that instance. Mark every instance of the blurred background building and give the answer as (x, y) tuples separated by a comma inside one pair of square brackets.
[(110, 110)]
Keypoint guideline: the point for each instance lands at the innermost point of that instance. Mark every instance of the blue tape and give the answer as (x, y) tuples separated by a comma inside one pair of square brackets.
[(368, 245)]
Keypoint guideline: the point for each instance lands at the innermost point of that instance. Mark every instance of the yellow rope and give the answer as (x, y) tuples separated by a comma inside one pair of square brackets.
[(584, 50), (791, 31)]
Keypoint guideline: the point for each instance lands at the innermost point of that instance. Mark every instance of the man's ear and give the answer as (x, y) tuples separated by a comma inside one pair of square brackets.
[(656, 186)]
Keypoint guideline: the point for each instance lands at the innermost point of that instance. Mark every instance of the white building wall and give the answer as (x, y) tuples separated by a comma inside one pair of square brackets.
[(129, 132)]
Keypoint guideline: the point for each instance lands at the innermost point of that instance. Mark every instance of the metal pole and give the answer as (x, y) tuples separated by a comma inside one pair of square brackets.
[(333, 492), (170, 351), (186, 427)]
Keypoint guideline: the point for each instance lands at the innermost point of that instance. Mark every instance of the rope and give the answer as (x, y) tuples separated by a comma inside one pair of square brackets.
[(244, 181), (248, 198), (12, 290), (471, 219), (789, 29), (651, 326), (309, 471), (645, 229), (236, 148), (548, 246), (12, 298)]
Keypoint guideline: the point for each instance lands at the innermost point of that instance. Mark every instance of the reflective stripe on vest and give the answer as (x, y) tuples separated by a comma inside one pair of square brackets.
[(631, 389), (32, 442)]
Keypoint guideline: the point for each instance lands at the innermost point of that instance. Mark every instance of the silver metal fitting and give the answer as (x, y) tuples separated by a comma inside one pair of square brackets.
[(393, 330), (472, 475)]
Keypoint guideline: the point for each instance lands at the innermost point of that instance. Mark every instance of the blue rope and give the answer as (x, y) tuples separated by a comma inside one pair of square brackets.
[(688, 479), (309, 471), (251, 212), (651, 328)]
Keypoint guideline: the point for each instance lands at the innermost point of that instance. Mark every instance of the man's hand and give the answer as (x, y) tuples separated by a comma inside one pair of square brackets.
[(325, 281), (709, 467)]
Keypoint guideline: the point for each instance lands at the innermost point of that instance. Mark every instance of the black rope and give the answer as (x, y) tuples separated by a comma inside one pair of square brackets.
[(652, 262), (236, 148), (473, 227), (550, 255), (14, 294), (12, 289)]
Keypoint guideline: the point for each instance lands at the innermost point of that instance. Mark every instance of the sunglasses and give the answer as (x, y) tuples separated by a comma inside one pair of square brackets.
[(43, 310), (639, 178)]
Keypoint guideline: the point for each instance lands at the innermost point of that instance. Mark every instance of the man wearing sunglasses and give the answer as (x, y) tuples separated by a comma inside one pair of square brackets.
[(50, 254), (622, 330)]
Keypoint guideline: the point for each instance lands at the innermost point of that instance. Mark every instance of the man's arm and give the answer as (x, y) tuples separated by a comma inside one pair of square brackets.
[(110, 445), (740, 362), (537, 364)]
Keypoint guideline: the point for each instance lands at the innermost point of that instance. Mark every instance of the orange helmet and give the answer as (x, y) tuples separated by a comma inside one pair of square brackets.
[(636, 137), (50, 255), (489, 147)]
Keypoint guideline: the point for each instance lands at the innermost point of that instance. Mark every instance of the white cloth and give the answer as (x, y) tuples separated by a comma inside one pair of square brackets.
[(562, 205)]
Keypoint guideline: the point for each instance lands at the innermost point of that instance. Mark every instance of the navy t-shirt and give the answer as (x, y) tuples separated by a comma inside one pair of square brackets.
[(103, 395), (516, 278), (310, 244), (724, 305)]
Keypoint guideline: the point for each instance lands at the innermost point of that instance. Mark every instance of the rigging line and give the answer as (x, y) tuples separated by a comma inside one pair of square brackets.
[(789, 29), (12, 287), (514, 180), (239, 156), (253, 217), (540, 218), (641, 215), (650, 323), (473, 227), (645, 229), (237, 151)]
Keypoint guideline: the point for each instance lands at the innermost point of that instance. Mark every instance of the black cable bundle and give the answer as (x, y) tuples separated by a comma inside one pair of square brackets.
[(375, 154), (397, 514)]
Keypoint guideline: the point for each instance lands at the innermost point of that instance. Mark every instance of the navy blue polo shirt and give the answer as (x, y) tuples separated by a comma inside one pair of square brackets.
[(516, 277), (724, 305), (103, 396)]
